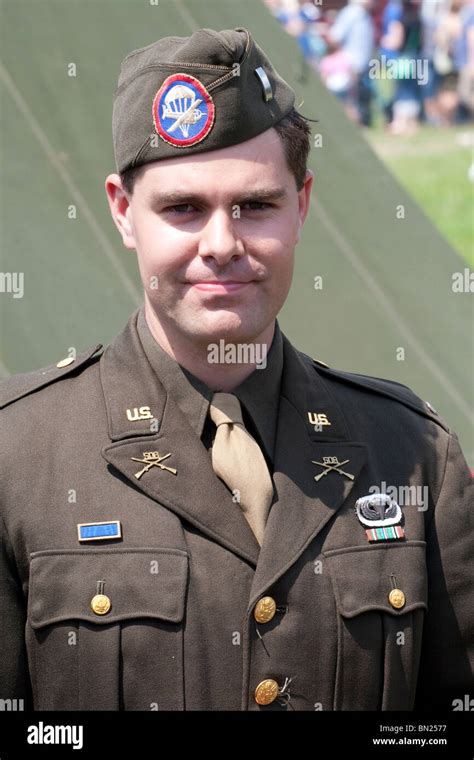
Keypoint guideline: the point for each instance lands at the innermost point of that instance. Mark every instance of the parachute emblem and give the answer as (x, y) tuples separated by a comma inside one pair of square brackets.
[(183, 110), (181, 104)]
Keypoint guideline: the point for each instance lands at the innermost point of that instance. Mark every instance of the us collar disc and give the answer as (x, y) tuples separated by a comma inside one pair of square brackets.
[(183, 111)]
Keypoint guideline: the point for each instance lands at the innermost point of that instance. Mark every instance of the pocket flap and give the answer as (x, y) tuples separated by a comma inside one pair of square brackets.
[(363, 577), (139, 583)]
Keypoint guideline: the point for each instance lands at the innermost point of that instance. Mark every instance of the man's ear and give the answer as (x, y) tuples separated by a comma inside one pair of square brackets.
[(119, 204), (304, 200)]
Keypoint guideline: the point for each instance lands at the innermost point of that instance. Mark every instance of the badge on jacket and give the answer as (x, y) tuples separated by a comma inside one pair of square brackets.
[(382, 517), (153, 459), (99, 531)]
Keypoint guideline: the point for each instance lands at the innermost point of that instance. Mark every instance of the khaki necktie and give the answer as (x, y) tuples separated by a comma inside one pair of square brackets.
[(238, 460)]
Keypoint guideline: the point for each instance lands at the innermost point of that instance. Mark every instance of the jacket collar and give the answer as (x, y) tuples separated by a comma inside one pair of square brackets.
[(302, 507), (259, 393), (191, 394)]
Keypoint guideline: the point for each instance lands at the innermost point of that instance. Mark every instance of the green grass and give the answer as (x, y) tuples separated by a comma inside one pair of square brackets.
[(433, 166)]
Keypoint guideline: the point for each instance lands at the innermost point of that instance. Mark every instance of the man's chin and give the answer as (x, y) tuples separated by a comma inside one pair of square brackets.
[(224, 325)]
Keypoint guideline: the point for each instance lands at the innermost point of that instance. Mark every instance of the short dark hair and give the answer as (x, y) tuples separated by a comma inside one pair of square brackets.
[(294, 131)]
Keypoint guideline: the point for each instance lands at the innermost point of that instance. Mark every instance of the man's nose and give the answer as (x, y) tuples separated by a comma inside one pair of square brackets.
[(218, 238)]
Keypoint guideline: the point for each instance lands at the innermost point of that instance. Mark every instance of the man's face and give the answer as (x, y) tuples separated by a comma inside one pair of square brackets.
[(215, 236)]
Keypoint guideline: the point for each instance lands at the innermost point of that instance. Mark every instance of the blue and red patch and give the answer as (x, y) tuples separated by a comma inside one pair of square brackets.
[(183, 111)]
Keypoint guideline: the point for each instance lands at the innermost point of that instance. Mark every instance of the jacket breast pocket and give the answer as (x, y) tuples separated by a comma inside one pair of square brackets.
[(381, 599), (105, 629)]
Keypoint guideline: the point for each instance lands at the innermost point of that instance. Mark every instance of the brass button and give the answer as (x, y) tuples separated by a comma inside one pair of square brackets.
[(397, 598), (266, 692), (100, 604), (65, 362), (265, 609)]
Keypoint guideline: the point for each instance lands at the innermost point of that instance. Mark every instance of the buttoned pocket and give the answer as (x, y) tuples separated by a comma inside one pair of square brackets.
[(105, 628), (381, 599)]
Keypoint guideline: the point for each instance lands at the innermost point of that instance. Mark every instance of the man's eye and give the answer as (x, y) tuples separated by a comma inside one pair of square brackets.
[(181, 208), (256, 205)]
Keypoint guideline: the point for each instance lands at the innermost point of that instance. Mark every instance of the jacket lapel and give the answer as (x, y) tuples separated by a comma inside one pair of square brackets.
[(303, 505), (194, 492)]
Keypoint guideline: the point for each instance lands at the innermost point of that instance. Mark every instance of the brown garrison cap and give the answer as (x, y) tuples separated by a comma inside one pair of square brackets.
[(185, 95)]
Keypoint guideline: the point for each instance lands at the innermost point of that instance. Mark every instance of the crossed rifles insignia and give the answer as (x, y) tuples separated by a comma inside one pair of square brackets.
[(153, 459), (330, 464)]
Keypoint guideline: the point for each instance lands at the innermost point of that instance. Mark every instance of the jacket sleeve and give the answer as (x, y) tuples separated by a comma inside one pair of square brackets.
[(447, 656), (13, 662)]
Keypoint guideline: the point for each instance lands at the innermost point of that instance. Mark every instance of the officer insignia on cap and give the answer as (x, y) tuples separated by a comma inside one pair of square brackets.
[(265, 82), (183, 111)]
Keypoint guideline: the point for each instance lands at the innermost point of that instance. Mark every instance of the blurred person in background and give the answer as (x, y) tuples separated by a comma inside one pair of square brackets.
[(447, 34), (463, 54), (388, 53), (431, 11), (403, 41), (300, 20), (337, 74), (346, 69), (286, 12), (310, 39)]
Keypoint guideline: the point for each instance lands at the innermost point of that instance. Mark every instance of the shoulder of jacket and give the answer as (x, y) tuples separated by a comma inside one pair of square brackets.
[(21, 385), (382, 387)]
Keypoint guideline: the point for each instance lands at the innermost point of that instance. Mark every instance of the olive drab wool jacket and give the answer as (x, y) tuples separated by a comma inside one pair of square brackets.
[(179, 608)]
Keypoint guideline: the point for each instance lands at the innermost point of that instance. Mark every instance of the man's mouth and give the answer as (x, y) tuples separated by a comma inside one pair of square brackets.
[(220, 286)]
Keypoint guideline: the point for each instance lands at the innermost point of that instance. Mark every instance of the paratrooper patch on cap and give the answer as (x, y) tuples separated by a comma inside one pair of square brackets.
[(183, 111)]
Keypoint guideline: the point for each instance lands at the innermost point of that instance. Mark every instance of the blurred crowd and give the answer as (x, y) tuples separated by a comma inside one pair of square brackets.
[(410, 60)]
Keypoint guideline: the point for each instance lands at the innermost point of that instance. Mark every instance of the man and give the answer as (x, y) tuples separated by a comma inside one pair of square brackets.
[(200, 517)]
